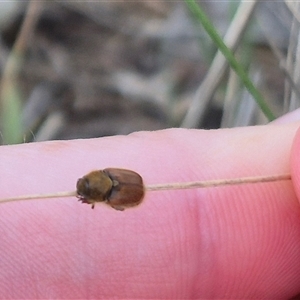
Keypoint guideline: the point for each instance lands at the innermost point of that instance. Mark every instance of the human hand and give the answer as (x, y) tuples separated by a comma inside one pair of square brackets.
[(226, 242)]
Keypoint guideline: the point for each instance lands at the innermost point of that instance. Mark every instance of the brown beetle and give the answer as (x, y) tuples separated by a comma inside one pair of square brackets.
[(119, 188)]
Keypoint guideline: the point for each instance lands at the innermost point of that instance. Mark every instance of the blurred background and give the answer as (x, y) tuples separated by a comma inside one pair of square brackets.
[(91, 69)]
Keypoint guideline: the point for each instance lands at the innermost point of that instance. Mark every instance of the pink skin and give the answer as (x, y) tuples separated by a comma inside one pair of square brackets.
[(227, 242)]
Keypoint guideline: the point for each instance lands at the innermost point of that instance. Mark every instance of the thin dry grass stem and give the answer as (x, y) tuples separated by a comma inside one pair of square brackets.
[(24, 37), (295, 100), (247, 110), (293, 7), (282, 62), (218, 67), (290, 59), (39, 196), (231, 100), (216, 183), (167, 186)]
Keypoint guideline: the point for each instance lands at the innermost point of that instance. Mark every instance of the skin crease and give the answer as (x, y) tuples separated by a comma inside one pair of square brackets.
[(227, 242)]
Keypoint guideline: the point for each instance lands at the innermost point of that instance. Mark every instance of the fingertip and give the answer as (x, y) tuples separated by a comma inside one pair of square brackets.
[(295, 163), (293, 116)]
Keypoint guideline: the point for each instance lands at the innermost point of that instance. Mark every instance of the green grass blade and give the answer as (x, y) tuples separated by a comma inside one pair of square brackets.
[(210, 29)]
